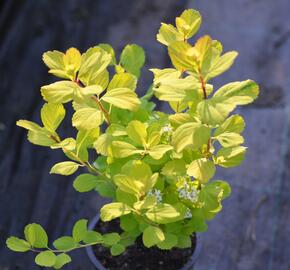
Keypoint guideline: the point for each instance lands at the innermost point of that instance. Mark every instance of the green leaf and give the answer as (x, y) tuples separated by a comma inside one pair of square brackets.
[(202, 52), (225, 187), (190, 133), (229, 139), (85, 139), (65, 168), (168, 34), (103, 144), (113, 210), (210, 198), (239, 93), (129, 185), (184, 241), (92, 90), (68, 144), (137, 132), (105, 188), (133, 59), (72, 60), (109, 49), (117, 249), (230, 157), (139, 170), (93, 237), (65, 243), (45, 258), (94, 61), (85, 182), (174, 167), (80, 230), (197, 223), (63, 65), (148, 202), (174, 89), (52, 115), (188, 23), (61, 260), (152, 236), (122, 149), (164, 213), (169, 242), (158, 151), (123, 98), (214, 111), (234, 123), (128, 222), (87, 118), (201, 169), (36, 134), (42, 138), (17, 245), (183, 136), (36, 235), (221, 65), (29, 125), (59, 92), (111, 239), (123, 80), (55, 61), (181, 56)]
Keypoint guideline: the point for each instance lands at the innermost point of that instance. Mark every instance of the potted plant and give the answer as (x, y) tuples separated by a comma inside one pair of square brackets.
[(156, 167)]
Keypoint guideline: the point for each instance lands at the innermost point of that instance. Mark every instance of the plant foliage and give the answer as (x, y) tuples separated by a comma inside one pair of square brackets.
[(158, 168)]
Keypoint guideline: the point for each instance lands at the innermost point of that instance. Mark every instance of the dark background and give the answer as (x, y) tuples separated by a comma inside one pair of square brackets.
[(253, 230)]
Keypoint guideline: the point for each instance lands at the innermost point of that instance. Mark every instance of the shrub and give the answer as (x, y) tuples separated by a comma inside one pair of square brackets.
[(156, 167)]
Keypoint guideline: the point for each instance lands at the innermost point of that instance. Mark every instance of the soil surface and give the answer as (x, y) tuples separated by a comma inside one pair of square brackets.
[(138, 257)]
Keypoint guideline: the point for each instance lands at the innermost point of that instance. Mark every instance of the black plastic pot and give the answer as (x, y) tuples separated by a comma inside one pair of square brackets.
[(188, 266)]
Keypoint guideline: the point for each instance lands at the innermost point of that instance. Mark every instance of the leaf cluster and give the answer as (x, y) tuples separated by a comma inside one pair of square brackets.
[(158, 168)]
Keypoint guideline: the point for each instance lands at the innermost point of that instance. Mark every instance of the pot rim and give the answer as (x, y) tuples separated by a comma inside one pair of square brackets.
[(99, 266)]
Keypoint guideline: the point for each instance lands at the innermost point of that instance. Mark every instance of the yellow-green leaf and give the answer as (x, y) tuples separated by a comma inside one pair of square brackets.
[(36, 235), (123, 80), (65, 168), (214, 111), (45, 258), (123, 98), (29, 125), (87, 118), (152, 235), (59, 92), (235, 123), (40, 138), (164, 213), (137, 132), (181, 56), (122, 149), (168, 34), (113, 210), (94, 61), (129, 185), (52, 115), (229, 139), (238, 93), (54, 60), (132, 59), (230, 157), (201, 169), (221, 65), (158, 151), (17, 245), (188, 23)]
